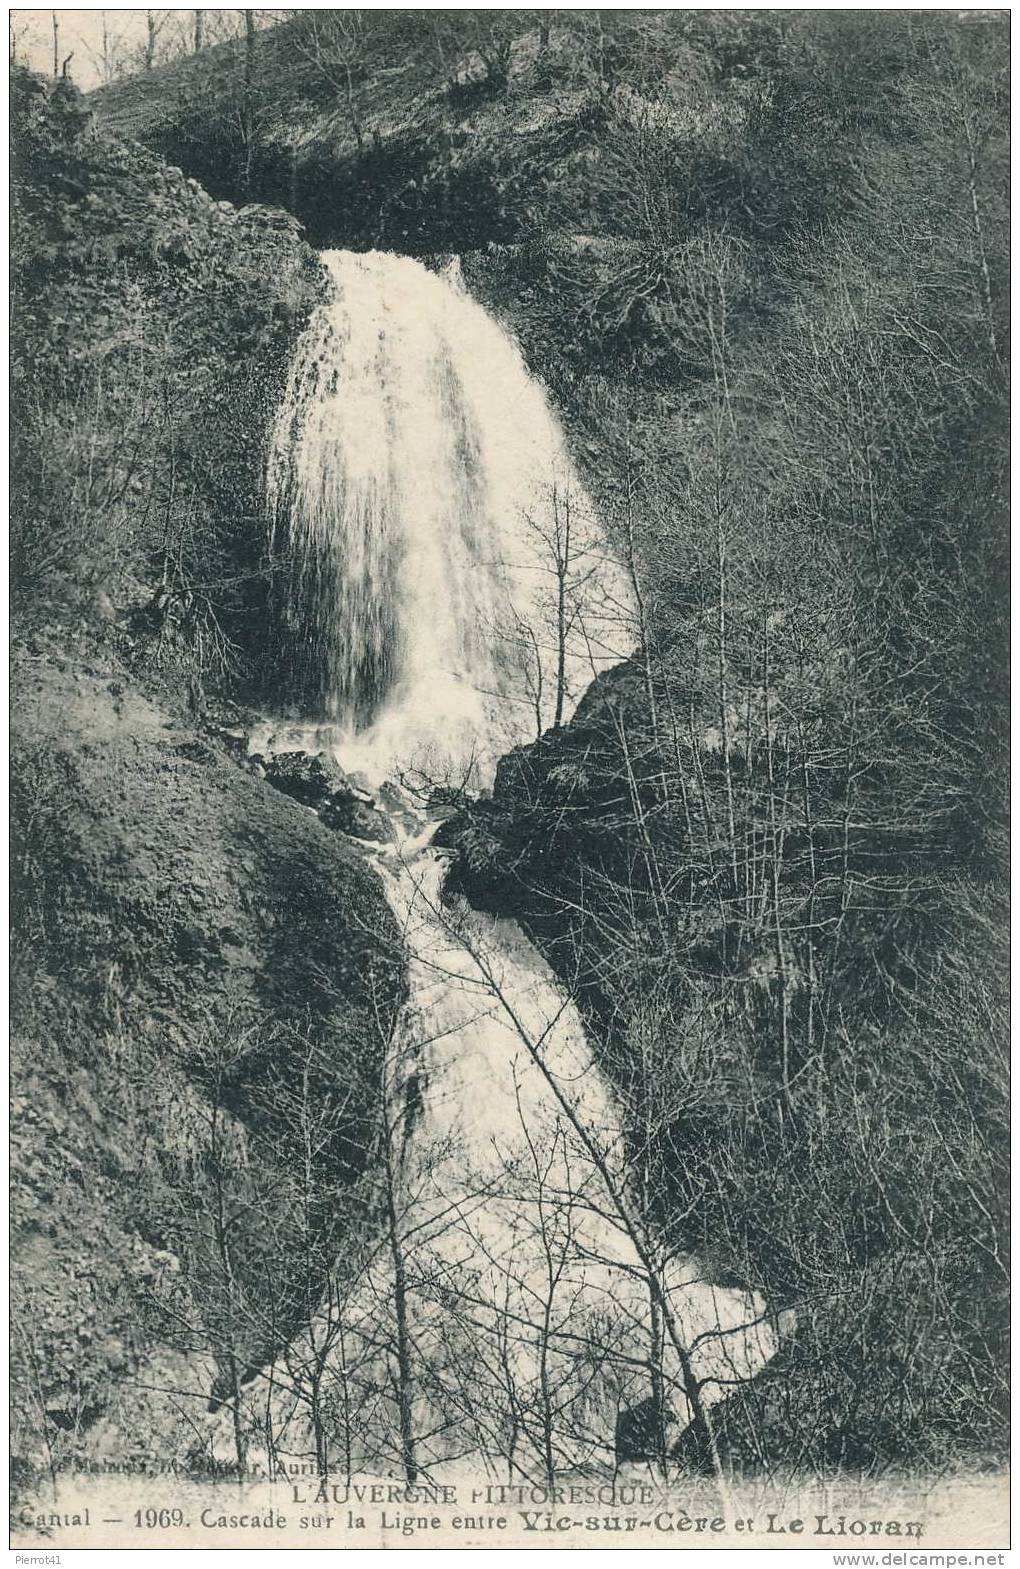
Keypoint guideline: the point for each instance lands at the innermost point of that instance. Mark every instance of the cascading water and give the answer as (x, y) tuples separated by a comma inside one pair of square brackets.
[(438, 552), (535, 1314), (448, 583)]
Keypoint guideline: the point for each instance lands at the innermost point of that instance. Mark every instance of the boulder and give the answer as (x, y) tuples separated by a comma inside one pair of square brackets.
[(645, 1432), (620, 688), (349, 816), (312, 780)]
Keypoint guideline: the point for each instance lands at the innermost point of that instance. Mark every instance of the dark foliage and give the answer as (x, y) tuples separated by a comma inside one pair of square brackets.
[(151, 329), (769, 854)]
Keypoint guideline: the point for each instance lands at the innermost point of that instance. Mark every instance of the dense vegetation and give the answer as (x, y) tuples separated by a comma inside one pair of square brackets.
[(150, 328), (771, 858), (760, 259)]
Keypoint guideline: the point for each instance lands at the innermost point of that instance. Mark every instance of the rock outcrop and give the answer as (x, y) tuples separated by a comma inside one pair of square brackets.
[(317, 781)]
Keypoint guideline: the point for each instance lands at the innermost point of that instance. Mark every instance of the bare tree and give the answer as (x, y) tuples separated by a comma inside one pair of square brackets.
[(335, 43), (154, 24), (112, 58), (613, 1199)]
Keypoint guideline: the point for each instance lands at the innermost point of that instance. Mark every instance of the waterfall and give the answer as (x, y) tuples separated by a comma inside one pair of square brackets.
[(441, 570), (447, 581)]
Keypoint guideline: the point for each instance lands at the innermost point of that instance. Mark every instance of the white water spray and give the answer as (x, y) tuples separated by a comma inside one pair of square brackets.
[(445, 578)]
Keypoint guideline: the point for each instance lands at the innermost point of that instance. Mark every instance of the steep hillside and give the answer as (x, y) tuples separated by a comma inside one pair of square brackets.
[(429, 131), (408, 130), (199, 966), (152, 327)]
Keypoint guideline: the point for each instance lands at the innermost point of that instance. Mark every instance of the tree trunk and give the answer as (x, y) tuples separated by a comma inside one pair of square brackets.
[(979, 237), (658, 1385), (548, 1454), (226, 1264), (346, 1400), (319, 1427), (199, 31), (248, 105), (722, 688), (404, 1376), (562, 569)]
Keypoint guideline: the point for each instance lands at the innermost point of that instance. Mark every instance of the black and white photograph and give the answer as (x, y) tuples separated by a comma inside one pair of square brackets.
[(509, 724)]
